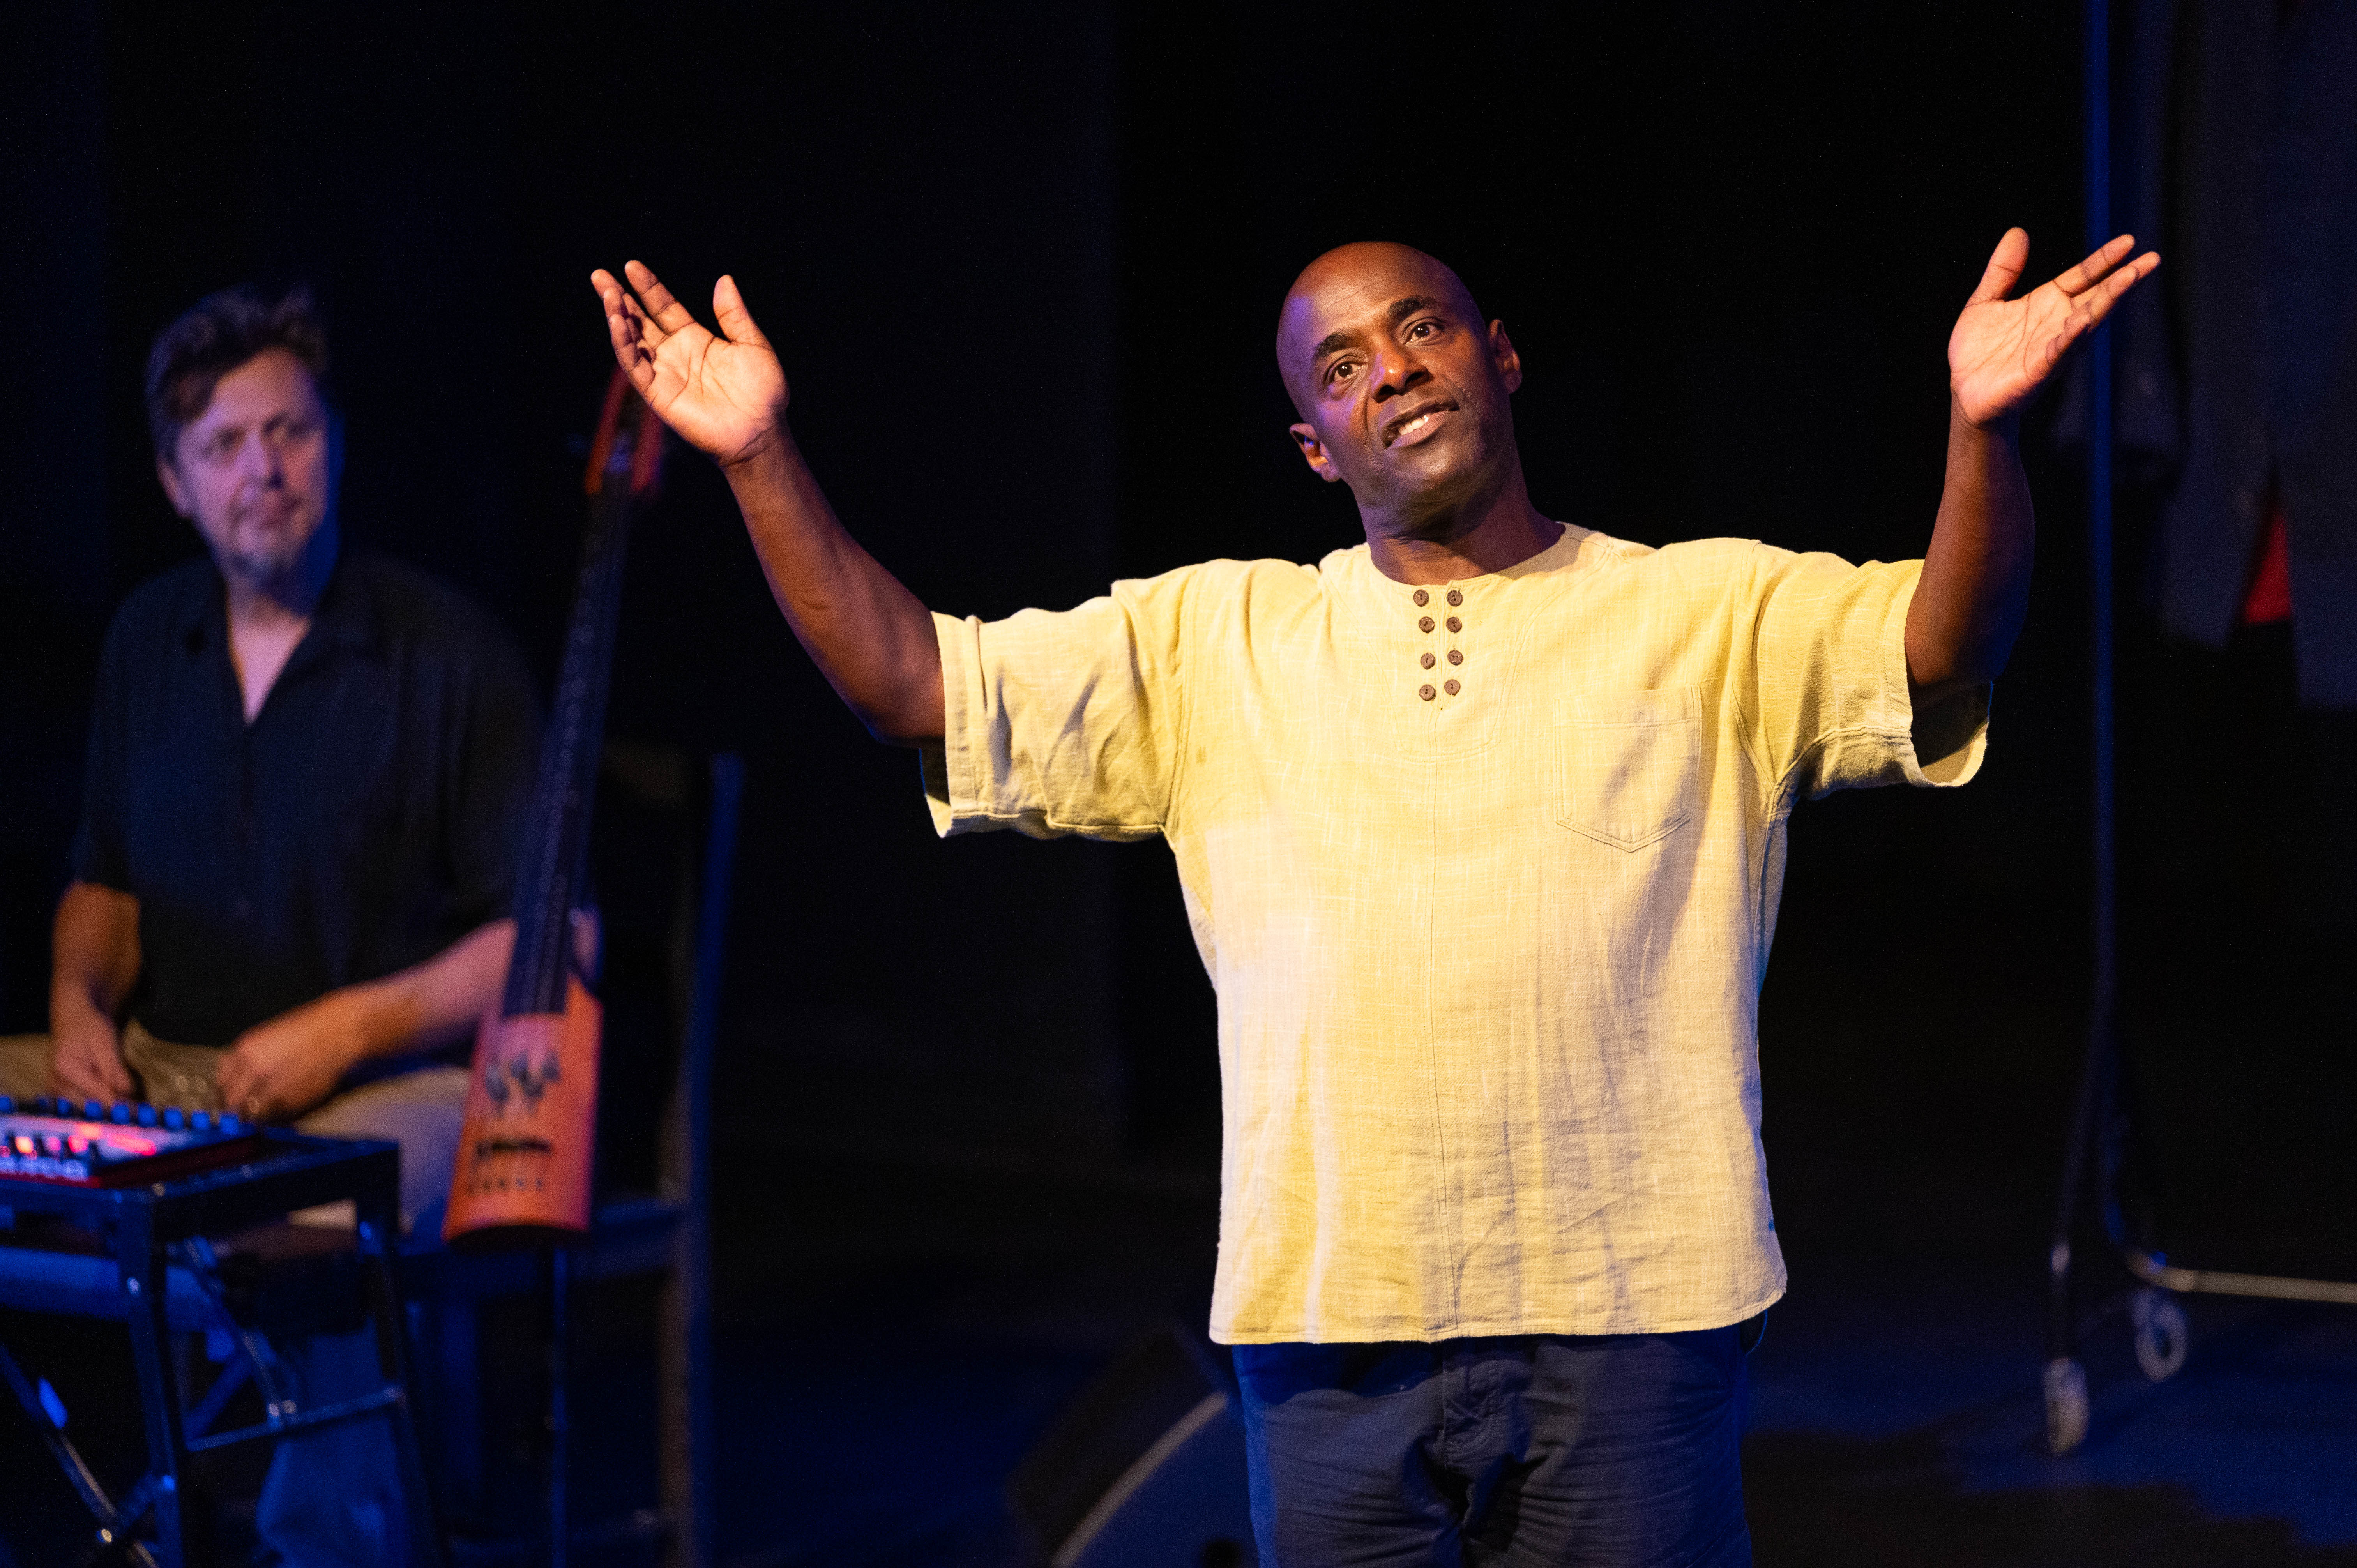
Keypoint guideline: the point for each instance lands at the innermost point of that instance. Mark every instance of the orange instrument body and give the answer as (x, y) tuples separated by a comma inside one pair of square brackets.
[(529, 1135), (528, 1145)]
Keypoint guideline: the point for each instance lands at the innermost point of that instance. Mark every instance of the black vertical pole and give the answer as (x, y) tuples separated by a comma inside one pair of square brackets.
[(2099, 530), (2066, 1395)]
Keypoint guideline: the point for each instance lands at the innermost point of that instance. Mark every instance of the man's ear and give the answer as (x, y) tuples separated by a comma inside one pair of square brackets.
[(1502, 351), (1313, 451), (173, 489)]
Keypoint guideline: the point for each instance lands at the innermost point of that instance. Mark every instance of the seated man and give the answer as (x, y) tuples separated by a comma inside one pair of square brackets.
[(308, 768), (308, 771)]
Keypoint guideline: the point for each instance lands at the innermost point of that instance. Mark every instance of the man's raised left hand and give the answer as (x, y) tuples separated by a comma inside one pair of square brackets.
[(2003, 350)]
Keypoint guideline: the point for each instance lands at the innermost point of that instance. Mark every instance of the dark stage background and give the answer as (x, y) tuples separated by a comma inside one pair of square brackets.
[(1022, 266)]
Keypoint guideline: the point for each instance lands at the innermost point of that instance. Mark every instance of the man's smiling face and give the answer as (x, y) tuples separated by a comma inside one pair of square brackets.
[(1402, 389)]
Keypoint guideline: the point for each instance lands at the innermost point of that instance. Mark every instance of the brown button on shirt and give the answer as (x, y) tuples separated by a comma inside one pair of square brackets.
[(1488, 963)]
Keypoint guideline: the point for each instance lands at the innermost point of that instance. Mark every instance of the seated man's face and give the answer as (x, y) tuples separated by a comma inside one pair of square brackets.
[(252, 471)]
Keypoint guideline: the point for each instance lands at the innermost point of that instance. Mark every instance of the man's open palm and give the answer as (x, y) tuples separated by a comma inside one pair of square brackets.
[(2003, 350), (725, 396)]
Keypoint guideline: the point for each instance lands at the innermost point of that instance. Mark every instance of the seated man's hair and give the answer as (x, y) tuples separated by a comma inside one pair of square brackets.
[(214, 336)]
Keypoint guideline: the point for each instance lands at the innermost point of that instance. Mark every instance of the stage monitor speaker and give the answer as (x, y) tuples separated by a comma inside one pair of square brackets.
[(1145, 1468)]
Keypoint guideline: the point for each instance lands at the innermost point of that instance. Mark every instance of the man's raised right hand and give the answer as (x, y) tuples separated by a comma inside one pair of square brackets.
[(725, 396)]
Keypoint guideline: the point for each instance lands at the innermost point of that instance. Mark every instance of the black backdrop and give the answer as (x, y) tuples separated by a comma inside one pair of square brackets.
[(1022, 264)]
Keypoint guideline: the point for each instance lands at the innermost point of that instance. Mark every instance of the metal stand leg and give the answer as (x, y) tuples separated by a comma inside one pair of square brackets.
[(114, 1523), (378, 1238), (139, 1257), (684, 1360), (557, 1280), (2065, 1377), (685, 1350)]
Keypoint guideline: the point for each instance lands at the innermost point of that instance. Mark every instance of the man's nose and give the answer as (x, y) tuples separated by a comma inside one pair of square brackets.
[(1397, 370), (259, 461)]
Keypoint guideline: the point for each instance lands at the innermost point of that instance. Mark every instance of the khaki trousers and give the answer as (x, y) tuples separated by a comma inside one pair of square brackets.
[(420, 1111)]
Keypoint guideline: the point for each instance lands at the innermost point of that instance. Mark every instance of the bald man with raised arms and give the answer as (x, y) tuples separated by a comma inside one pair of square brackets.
[(1480, 824)]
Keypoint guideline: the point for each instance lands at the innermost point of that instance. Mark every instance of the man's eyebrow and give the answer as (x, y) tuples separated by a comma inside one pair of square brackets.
[(1403, 308), (1398, 311)]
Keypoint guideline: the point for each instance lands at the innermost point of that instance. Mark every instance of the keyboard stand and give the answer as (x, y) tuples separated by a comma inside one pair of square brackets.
[(138, 1281)]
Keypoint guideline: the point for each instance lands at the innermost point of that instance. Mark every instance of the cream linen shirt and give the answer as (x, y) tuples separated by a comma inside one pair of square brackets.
[(1485, 874)]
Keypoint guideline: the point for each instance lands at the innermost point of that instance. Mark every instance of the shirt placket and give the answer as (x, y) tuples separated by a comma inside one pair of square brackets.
[(1440, 620)]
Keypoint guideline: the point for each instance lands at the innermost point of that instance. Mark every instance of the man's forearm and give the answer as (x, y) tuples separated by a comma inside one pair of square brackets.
[(94, 949), (432, 1003), (287, 1065), (871, 637), (94, 946), (1974, 592)]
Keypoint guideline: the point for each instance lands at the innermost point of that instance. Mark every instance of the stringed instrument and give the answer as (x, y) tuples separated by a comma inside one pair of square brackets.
[(526, 1147)]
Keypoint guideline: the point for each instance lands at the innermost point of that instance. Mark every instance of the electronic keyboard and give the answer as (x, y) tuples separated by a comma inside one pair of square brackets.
[(86, 1142)]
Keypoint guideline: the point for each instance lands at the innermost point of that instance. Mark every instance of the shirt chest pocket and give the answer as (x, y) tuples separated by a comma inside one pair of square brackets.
[(1628, 765)]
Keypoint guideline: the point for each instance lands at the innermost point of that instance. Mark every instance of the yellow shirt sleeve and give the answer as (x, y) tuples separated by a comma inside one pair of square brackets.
[(1822, 646), (1061, 721)]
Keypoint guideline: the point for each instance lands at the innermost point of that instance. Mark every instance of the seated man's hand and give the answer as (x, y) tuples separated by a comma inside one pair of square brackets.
[(277, 1071), (86, 1061)]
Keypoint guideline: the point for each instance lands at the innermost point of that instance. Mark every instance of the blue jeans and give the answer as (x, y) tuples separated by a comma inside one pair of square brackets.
[(1544, 1450), (333, 1497)]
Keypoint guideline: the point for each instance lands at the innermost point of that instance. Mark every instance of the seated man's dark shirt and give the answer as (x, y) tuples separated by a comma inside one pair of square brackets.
[(368, 817)]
